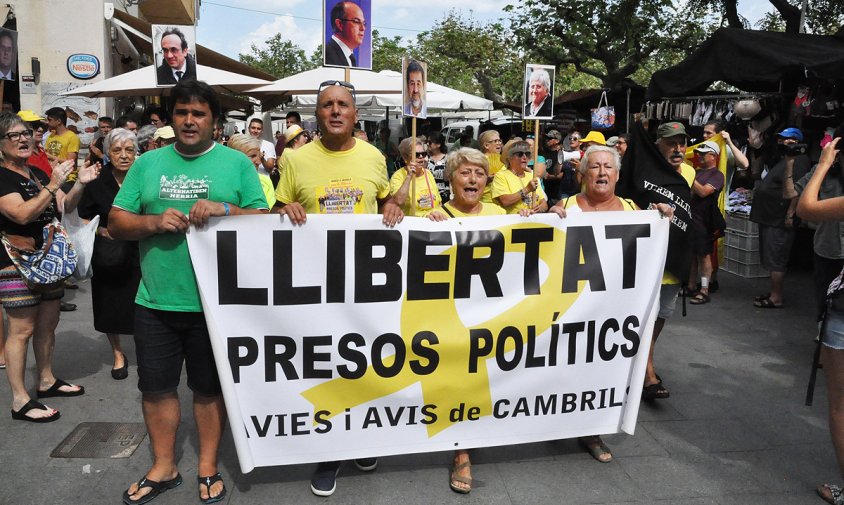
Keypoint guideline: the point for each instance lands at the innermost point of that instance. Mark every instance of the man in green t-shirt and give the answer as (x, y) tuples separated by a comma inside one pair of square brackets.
[(165, 192), (336, 174)]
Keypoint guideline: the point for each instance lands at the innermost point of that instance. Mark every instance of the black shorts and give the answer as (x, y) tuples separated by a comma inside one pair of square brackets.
[(165, 339), (703, 241), (775, 247)]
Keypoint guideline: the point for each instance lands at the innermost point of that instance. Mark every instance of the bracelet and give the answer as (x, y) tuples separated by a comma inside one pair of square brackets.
[(51, 191), (227, 208)]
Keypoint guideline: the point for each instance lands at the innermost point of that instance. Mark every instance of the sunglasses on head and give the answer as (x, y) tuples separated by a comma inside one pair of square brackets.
[(343, 84)]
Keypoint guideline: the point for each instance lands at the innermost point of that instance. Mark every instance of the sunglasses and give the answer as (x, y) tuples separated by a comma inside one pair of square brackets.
[(343, 84), (422, 154), (519, 154)]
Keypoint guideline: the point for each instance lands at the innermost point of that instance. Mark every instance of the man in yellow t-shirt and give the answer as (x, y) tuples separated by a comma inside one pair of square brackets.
[(64, 144), (335, 174)]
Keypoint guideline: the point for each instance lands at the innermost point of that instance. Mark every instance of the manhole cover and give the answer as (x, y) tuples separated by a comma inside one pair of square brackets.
[(101, 440)]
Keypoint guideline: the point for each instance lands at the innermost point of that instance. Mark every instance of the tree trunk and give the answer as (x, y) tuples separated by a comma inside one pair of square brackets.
[(790, 14), (731, 13)]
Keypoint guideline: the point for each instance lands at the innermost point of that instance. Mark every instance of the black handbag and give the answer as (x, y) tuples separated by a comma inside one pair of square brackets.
[(112, 253)]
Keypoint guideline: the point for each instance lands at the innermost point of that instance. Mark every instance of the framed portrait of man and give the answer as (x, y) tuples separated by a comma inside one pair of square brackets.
[(539, 92), (8, 55), (347, 34), (414, 85), (174, 47)]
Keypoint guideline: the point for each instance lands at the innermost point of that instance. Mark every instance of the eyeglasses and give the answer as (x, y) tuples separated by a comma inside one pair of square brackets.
[(171, 50), (15, 136), (494, 141), (343, 84), (355, 21), (421, 154), (519, 154)]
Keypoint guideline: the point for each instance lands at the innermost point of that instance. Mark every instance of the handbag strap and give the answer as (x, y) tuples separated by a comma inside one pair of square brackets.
[(603, 100)]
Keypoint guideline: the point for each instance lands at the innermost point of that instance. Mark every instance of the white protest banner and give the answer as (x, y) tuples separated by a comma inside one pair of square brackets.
[(342, 338)]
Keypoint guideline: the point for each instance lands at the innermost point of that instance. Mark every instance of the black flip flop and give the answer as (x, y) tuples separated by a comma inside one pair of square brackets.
[(55, 391), (208, 482), (767, 304), (20, 415), (156, 489)]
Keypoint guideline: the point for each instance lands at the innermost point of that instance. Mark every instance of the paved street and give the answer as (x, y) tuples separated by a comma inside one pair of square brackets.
[(734, 432)]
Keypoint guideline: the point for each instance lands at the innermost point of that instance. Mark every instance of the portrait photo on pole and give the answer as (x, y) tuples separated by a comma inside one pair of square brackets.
[(414, 83), (347, 36), (174, 47), (539, 92), (8, 55)]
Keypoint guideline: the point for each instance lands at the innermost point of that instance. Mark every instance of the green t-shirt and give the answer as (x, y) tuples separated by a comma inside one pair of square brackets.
[(162, 179)]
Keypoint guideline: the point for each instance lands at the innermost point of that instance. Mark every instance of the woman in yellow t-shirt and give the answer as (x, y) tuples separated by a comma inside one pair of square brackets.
[(421, 198), (515, 188), (491, 144)]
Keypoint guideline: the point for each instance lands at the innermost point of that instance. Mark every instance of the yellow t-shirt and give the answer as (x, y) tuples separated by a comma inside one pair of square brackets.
[(268, 189), (688, 173), (426, 198), (495, 166), (570, 203), (487, 209), (334, 182), (506, 182), (61, 145)]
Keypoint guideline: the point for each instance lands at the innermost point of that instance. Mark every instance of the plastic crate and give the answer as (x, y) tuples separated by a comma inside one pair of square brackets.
[(743, 269), (746, 256), (741, 240), (742, 224)]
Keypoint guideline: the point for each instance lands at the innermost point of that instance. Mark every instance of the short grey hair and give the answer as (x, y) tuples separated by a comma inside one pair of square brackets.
[(541, 75), (592, 150), (145, 134), (244, 143), (516, 143), (119, 135), (464, 156)]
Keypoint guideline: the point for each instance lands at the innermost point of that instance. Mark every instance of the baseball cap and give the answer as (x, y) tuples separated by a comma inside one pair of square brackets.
[(708, 147), (595, 138), (165, 132), (612, 141), (29, 116), (292, 132), (791, 133), (553, 134), (670, 129)]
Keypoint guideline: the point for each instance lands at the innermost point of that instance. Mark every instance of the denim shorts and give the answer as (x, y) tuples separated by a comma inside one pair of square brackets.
[(833, 334), (165, 339)]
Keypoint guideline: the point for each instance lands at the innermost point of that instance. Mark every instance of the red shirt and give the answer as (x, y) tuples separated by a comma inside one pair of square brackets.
[(39, 159)]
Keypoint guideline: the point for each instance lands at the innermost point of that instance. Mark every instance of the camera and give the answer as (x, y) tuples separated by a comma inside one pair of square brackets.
[(794, 149)]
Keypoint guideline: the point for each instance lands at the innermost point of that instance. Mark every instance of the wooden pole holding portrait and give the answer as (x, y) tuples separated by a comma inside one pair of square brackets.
[(538, 103), (414, 105)]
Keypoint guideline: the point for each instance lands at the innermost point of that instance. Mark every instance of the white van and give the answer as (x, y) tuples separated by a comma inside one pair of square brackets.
[(505, 126)]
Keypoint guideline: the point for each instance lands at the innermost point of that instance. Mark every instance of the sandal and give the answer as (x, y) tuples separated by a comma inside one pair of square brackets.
[(20, 415), (763, 296), (55, 390), (699, 299), (156, 488), (767, 304), (208, 482), (596, 448), (831, 494), (454, 478), (655, 391)]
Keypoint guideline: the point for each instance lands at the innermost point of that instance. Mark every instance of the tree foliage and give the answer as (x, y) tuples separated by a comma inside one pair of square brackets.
[(823, 17), (278, 57), (612, 41)]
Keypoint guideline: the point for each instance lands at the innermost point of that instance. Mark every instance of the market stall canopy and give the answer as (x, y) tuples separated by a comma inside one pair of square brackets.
[(750, 60), (372, 89), (142, 82)]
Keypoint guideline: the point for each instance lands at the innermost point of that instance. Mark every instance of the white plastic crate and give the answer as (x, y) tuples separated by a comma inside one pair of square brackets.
[(748, 257), (743, 269), (742, 224), (741, 240)]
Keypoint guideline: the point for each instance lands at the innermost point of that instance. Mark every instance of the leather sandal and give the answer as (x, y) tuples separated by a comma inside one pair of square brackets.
[(454, 478), (55, 390)]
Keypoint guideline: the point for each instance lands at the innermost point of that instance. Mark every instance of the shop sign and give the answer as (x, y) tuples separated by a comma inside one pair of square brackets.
[(83, 66)]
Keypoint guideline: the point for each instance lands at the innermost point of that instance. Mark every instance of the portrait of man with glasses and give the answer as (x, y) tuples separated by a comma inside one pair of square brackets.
[(346, 44), (173, 53), (8, 54)]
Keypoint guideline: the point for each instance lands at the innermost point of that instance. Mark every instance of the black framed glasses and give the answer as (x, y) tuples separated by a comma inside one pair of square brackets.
[(355, 21), (519, 154), (15, 136), (343, 84)]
